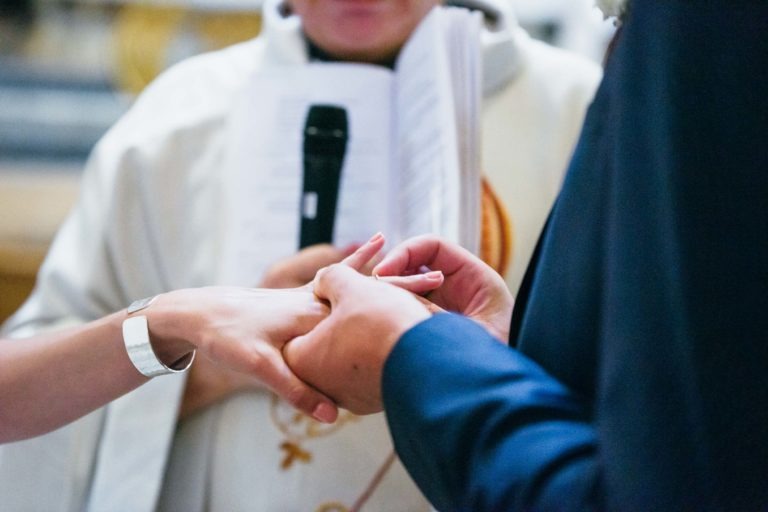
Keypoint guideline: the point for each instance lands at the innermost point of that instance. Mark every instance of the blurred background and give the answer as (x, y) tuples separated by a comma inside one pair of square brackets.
[(70, 68)]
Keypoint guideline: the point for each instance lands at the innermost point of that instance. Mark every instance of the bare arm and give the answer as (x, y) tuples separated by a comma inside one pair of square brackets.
[(51, 379)]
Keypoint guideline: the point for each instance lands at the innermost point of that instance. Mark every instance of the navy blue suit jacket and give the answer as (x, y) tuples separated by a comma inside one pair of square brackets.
[(640, 378)]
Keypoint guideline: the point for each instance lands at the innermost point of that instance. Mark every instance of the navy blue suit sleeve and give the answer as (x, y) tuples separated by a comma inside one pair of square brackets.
[(648, 301), (480, 427)]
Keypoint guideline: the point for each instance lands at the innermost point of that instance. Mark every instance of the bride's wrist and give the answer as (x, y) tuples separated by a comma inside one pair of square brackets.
[(171, 327)]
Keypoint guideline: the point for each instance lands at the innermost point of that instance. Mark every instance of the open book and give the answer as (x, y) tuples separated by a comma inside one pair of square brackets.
[(412, 160)]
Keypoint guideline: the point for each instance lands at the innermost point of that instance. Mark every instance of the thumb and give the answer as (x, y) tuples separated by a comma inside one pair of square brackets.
[(300, 395), (307, 356), (339, 281)]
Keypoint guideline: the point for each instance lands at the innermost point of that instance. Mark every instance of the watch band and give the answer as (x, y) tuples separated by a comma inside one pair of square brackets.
[(139, 346)]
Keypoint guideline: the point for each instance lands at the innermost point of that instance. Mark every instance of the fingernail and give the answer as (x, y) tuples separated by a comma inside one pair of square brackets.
[(325, 413), (375, 238), (434, 275)]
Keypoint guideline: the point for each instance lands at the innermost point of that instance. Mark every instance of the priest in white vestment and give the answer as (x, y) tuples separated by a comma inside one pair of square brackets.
[(150, 219)]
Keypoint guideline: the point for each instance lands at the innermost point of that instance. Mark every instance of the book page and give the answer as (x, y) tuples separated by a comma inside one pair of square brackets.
[(462, 34), (265, 162), (434, 154)]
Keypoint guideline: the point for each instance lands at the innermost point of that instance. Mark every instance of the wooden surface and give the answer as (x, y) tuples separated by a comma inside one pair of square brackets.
[(33, 204), (18, 268)]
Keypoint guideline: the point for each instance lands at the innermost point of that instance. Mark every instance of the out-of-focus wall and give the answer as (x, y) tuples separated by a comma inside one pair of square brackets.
[(33, 201), (68, 70), (576, 25)]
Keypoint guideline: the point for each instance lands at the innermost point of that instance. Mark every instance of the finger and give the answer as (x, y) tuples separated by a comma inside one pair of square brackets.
[(367, 269), (365, 252), (307, 318), (425, 251), (337, 281), (301, 267), (271, 368), (307, 356), (313, 258), (418, 283), (401, 261)]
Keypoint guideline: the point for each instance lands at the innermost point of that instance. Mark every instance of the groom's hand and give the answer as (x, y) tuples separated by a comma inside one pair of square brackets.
[(343, 356)]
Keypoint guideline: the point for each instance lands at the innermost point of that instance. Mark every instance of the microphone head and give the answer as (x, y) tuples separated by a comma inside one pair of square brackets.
[(326, 130)]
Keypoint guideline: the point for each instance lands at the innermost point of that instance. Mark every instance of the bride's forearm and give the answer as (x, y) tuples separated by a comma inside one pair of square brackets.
[(53, 378)]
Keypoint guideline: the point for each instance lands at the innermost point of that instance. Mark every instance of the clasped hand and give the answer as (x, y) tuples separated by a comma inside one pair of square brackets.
[(324, 344), (344, 354)]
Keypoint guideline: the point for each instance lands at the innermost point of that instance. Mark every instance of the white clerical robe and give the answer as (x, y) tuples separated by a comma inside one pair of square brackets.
[(148, 220)]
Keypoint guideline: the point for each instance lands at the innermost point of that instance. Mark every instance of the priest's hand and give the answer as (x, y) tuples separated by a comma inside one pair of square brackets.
[(301, 268)]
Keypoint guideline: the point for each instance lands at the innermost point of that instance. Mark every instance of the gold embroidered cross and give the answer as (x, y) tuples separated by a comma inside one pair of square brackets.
[(293, 453)]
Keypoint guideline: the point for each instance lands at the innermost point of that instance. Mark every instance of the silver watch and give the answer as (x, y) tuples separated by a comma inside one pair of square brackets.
[(139, 346)]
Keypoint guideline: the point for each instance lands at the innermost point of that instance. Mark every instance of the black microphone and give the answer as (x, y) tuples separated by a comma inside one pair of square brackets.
[(325, 142)]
